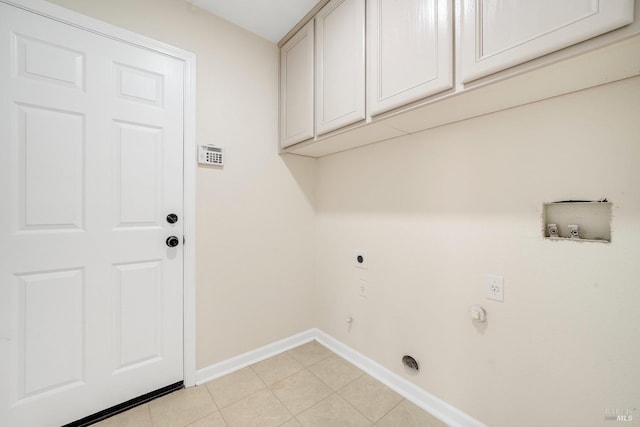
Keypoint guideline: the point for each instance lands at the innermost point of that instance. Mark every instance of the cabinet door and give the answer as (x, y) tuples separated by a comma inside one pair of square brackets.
[(410, 51), (497, 34), (340, 71), (296, 88)]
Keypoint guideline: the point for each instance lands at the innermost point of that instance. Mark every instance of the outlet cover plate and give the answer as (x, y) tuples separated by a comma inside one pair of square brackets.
[(362, 288), (360, 259), (495, 288)]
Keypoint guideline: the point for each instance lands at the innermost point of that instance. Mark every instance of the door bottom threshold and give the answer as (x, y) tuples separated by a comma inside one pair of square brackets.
[(125, 406)]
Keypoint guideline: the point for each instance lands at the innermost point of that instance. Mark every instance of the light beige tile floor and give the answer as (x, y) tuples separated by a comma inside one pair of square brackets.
[(308, 386)]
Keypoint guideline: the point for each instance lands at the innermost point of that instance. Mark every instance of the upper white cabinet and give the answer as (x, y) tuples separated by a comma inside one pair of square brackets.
[(340, 62), (296, 87), (409, 51), (497, 34)]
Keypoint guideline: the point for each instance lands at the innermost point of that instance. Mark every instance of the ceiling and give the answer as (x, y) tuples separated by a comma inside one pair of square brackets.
[(271, 19)]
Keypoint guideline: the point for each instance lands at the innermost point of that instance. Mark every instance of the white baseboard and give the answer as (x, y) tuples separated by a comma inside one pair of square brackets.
[(249, 358), (438, 408)]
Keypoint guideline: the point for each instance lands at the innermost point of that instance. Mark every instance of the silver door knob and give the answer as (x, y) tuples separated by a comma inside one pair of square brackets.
[(173, 241)]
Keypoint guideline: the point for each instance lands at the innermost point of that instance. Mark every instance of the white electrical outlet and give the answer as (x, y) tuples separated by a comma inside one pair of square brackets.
[(495, 288), (362, 288)]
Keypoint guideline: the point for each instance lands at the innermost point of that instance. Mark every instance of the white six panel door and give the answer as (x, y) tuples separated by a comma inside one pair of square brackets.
[(496, 35), (90, 165)]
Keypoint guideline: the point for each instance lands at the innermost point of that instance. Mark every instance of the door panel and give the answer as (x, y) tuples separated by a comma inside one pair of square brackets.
[(296, 87), (53, 354), (39, 59), (138, 307), (340, 65), (50, 169), (511, 23), (139, 85), (410, 51), (90, 164), (137, 147), (496, 35)]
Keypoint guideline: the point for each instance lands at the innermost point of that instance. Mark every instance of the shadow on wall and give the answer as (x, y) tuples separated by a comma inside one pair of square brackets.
[(579, 146), (303, 170)]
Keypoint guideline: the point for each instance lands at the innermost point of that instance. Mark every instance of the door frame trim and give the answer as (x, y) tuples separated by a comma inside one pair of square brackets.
[(66, 16)]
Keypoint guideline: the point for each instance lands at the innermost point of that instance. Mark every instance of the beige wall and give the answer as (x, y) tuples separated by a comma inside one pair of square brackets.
[(440, 210), (255, 217)]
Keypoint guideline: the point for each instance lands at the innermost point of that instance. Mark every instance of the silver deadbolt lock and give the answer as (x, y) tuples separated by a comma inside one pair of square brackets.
[(172, 218)]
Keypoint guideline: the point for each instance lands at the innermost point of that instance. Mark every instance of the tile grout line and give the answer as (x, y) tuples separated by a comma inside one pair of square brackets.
[(253, 394), (213, 399), (283, 378), (351, 404), (317, 403), (220, 408), (224, 420), (325, 356), (354, 407), (307, 368), (149, 413), (282, 403), (335, 392), (389, 411), (216, 404), (331, 353), (290, 411), (304, 368)]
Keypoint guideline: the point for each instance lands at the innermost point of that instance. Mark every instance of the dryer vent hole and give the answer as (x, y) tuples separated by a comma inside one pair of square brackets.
[(410, 363)]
